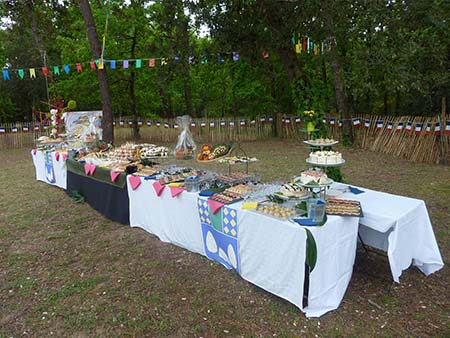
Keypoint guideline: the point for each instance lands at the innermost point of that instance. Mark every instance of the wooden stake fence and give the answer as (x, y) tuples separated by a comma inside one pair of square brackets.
[(416, 146)]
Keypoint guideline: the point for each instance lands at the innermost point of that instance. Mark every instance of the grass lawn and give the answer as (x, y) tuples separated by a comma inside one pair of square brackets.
[(66, 271)]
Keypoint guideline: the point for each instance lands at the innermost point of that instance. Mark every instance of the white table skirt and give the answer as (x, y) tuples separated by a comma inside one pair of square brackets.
[(401, 227), (53, 172), (271, 252)]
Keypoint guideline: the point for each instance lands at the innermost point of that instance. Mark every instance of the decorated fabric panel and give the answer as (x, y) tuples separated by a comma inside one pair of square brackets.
[(49, 171), (220, 234)]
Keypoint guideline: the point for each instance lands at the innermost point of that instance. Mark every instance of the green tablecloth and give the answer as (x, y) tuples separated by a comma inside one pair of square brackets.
[(101, 174)]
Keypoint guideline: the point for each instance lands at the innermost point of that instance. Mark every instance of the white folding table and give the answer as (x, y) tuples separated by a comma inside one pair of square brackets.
[(399, 226)]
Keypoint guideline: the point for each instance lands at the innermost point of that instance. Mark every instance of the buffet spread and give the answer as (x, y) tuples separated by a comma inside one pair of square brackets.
[(245, 224)]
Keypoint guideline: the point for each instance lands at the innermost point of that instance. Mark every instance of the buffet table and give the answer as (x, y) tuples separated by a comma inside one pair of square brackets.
[(270, 253), (266, 251), (400, 226), (50, 167), (107, 197)]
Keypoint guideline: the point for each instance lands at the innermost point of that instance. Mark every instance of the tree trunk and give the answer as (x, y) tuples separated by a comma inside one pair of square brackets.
[(290, 63), (107, 119), (185, 66), (443, 152), (341, 98), (136, 135), (34, 28), (338, 78)]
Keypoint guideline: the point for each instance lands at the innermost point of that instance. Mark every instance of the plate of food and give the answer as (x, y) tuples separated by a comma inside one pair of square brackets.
[(226, 197), (292, 191), (212, 153), (313, 179), (321, 142), (276, 211), (343, 207)]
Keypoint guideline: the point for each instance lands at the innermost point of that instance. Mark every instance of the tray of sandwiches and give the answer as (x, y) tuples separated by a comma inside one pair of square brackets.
[(343, 207)]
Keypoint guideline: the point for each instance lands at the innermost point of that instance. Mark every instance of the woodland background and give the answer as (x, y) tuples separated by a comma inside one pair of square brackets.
[(390, 57)]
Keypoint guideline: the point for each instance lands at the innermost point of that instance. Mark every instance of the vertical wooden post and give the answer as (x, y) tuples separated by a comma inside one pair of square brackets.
[(443, 146)]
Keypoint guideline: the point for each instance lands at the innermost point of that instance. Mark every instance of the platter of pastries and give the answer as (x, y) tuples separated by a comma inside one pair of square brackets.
[(313, 178), (325, 157), (226, 197), (277, 211), (241, 189), (292, 191), (321, 142), (343, 207)]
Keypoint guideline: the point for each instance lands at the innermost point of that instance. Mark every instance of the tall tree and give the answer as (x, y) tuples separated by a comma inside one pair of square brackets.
[(107, 119)]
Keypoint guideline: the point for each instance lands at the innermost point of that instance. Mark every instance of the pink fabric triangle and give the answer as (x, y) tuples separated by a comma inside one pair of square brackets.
[(57, 156), (87, 168), (175, 191), (214, 205), (92, 169), (135, 181), (158, 188), (114, 175), (34, 151), (64, 156)]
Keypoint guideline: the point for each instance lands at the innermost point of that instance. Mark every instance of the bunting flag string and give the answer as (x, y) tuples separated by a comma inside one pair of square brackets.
[(380, 124), (428, 129), (390, 126), (102, 63), (356, 122), (409, 127), (418, 129), (304, 44)]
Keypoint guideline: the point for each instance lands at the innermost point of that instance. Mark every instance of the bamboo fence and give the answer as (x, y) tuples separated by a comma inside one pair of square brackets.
[(420, 146)]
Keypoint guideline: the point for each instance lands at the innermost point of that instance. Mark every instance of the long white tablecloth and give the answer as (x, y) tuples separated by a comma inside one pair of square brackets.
[(271, 252), (401, 227), (50, 170)]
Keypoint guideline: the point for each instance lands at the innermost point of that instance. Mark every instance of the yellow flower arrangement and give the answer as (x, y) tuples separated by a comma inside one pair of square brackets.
[(311, 119)]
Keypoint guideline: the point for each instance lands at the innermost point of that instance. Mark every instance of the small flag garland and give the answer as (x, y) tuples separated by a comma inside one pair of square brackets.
[(99, 64), (356, 122), (408, 127), (380, 124), (390, 127), (418, 129)]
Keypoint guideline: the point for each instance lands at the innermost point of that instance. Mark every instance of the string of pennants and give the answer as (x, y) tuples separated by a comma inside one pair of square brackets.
[(304, 44), (194, 124), (406, 127), (101, 63)]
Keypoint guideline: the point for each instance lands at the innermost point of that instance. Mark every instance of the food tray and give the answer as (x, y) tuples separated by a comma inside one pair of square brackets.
[(226, 198), (176, 178), (235, 178), (321, 144), (343, 207), (308, 160), (295, 212), (241, 189), (293, 197), (315, 185)]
